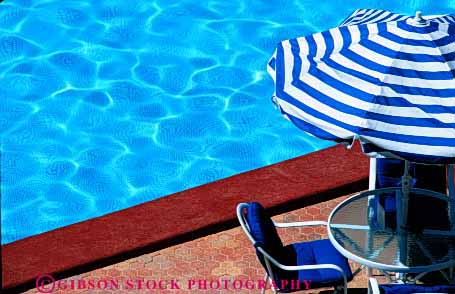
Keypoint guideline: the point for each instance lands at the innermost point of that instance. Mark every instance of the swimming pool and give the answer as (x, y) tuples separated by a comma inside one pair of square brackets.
[(108, 104)]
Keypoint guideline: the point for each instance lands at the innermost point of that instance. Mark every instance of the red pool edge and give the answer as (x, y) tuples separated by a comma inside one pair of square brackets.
[(180, 217)]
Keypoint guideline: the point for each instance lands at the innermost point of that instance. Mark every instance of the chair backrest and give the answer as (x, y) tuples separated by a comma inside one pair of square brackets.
[(260, 229), (387, 172)]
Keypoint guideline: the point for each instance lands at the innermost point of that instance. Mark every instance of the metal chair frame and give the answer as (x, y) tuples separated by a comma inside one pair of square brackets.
[(271, 260)]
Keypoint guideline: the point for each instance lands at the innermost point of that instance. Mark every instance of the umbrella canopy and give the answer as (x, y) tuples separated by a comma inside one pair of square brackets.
[(382, 78), (363, 16)]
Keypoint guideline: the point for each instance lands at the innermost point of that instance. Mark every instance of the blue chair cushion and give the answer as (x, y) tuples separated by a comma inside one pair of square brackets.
[(407, 289), (388, 174), (313, 253), (262, 228), (263, 232)]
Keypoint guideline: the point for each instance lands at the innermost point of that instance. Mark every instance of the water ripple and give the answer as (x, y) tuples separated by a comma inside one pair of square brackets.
[(107, 104)]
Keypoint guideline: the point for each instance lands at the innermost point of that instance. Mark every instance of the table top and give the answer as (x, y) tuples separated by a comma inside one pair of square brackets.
[(353, 233)]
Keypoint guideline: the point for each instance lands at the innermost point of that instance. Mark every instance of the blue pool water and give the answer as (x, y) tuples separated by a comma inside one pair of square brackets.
[(108, 104)]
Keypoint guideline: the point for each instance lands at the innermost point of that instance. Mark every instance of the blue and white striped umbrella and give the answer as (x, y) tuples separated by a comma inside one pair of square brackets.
[(382, 78), (363, 16)]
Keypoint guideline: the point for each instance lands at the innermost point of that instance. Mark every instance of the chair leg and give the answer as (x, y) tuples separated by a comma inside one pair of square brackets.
[(274, 289), (266, 279), (369, 274), (340, 289)]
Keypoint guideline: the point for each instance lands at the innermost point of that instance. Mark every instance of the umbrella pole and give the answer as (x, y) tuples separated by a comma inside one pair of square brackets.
[(402, 199), (405, 188)]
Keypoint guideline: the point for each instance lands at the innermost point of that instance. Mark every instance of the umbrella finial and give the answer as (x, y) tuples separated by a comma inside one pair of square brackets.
[(418, 18)]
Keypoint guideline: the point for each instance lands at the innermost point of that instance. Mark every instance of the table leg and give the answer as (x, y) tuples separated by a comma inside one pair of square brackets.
[(369, 274)]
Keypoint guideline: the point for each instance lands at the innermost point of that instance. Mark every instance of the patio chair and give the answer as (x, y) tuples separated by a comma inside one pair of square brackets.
[(396, 288), (385, 173), (315, 262)]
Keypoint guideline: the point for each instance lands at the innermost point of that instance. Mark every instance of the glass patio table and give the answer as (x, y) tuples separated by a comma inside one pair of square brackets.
[(354, 234)]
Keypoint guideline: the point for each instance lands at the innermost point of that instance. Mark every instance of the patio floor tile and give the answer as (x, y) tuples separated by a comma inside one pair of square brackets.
[(225, 257)]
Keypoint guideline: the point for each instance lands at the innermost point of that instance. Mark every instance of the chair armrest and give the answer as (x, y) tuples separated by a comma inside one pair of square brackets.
[(302, 267), (373, 284), (300, 224)]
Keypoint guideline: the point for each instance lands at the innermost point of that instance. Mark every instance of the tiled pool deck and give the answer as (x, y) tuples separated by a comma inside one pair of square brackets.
[(184, 217), (227, 255), (184, 236)]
